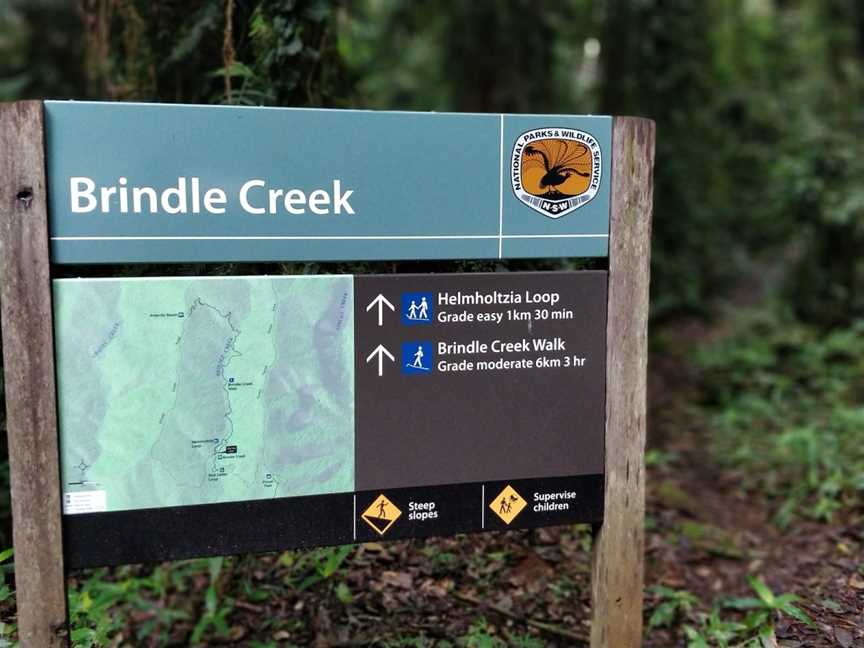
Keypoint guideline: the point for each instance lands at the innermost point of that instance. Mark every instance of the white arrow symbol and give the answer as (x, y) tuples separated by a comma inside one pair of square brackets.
[(381, 301), (380, 351)]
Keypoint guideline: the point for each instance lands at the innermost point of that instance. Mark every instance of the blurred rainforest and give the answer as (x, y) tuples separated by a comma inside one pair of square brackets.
[(759, 198)]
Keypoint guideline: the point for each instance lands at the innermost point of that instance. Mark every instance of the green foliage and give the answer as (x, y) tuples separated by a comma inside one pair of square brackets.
[(713, 630), (7, 596), (411, 642), (526, 641), (215, 613), (784, 401), (701, 71), (267, 52), (478, 56), (290, 56), (731, 622), (189, 602), (479, 636), (5, 495), (825, 198), (766, 604), (40, 50), (308, 568), (90, 609), (821, 166), (711, 539), (95, 601), (674, 604)]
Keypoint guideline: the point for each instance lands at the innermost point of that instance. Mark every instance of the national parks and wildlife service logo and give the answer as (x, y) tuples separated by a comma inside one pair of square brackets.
[(555, 170)]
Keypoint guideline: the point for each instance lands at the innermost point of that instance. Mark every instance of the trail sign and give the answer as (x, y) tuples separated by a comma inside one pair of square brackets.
[(213, 183), (184, 395), (239, 414)]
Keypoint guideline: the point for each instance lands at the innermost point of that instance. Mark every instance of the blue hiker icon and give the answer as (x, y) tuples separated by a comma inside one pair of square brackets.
[(417, 357)]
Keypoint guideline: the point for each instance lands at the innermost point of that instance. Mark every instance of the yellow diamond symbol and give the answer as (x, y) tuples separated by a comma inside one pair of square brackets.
[(508, 504), (381, 514)]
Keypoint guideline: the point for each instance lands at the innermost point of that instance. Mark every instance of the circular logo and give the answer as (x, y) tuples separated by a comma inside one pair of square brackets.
[(555, 170)]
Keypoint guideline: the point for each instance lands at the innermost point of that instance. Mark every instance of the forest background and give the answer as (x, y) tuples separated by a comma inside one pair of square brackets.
[(757, 372)]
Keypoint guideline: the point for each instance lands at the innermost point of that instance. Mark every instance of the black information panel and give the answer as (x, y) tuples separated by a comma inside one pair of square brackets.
[(479, 405)]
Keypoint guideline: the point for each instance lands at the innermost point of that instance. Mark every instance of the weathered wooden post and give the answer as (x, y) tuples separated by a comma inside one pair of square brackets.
[(28, 367), (617, 579)]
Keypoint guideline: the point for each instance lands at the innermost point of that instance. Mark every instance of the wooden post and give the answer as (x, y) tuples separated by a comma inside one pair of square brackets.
[(617, 578), (28, 363)]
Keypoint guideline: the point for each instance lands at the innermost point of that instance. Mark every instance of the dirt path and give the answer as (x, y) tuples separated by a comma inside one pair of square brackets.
[(707, 534)]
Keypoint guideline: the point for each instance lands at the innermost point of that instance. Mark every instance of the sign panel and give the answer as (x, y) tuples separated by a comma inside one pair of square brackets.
[(169, 183), (237, 414)]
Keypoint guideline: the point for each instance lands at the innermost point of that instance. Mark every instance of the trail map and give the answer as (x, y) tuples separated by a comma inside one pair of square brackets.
[(188, 391)]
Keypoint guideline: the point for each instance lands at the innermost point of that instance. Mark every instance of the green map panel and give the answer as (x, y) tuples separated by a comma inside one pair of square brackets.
[(190, 391)]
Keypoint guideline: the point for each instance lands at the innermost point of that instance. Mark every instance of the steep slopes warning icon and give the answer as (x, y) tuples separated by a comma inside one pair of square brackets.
[(508, 504), (381, 514)]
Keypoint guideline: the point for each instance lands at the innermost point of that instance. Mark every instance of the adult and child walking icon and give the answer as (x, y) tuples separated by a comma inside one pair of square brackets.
[(417, 310), (506, 506)]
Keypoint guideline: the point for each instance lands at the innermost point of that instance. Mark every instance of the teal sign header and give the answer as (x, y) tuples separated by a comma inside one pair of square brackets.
[(171, 183)]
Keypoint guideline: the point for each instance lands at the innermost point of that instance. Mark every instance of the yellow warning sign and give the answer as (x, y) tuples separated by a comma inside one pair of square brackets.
[(508, 504), (381, 514)]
